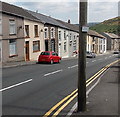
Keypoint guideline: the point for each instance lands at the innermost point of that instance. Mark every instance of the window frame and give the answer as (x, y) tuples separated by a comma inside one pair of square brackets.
[(12, 24), (46, 33), (12, 45), (27, 32), (59, 34), (52, 32), (36, 30), (34, 43)]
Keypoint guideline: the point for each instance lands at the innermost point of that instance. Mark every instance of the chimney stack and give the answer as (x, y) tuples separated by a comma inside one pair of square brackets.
[(69, 21)]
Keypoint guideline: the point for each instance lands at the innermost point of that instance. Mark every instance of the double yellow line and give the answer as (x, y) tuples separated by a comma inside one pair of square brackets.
[(64, 102)]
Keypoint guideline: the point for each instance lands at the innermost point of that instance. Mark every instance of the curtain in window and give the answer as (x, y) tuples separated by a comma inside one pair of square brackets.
[(12, 47), (36, 46), (12, 26)]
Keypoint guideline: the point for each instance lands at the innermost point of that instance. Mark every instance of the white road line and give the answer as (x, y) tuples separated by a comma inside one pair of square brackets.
[(87, 62), (16, 85), (99, 59), (93, 60), (87, 93), (72, 66), (106, 57), (53, 72)]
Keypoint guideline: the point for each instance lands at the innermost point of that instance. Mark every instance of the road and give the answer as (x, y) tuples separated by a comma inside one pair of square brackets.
[(34, 89)]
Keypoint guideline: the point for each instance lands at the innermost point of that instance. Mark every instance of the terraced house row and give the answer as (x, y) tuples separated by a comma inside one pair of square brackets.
[(25, 34)]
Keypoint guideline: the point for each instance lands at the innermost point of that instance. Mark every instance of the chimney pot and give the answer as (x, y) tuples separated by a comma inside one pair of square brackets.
[(69, 21)]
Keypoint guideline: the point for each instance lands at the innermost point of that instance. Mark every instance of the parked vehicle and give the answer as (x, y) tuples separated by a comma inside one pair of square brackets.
[(49, 56), (90, 55), (116, 52)]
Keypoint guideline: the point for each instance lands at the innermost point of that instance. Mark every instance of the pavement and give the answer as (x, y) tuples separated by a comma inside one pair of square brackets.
[(103, 100)]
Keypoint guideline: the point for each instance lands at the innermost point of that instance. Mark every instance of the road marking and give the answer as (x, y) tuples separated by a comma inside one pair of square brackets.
[(87, 62), (63, 106), (99, 59), (16, 85), (53, 72), (93, 60), (106, 57), (58, 104), (72, 66), (88, 82), (87, 93)]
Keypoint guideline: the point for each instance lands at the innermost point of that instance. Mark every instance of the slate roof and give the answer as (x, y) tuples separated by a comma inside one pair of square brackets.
[(94, 33), (17, 11), (112, 35), (72, 27), (47, 19)]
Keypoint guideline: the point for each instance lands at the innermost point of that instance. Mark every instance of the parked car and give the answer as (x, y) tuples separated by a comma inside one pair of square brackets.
[(90, 55), (116, 52), (49, 56)]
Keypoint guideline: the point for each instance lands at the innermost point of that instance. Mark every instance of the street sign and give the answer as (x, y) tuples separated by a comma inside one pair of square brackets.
[(85, 29)]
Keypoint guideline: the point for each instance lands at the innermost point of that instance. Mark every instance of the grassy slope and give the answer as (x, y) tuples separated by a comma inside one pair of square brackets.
[(111, 26)]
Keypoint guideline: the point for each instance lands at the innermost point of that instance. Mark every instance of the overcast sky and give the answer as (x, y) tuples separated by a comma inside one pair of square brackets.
[(98, 10)]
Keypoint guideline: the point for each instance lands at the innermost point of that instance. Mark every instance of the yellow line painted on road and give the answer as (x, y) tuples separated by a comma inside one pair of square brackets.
[(58, 104), (94, 75), (95, 78), (88, 82), (63, 106)]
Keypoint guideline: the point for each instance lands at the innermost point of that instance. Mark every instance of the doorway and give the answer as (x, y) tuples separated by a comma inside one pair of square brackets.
[(27, 50), (46, 45)]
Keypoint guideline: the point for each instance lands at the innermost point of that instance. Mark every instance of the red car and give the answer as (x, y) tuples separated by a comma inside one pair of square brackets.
[(48, 56)]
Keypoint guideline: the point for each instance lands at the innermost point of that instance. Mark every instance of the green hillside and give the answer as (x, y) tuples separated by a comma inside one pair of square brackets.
[(111, 26)]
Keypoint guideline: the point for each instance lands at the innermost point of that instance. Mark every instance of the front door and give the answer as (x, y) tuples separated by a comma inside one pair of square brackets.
[(46, 45), (27, 50)]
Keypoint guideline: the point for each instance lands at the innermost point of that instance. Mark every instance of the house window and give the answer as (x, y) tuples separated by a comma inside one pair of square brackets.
[(45, 33), (65, 47), (70, 36), (59, 36), (36, 46), (26, 30), (74, 37), (12, 26), (74, 46), (52, 33), (36, 30), (12, 47), (65, 35)]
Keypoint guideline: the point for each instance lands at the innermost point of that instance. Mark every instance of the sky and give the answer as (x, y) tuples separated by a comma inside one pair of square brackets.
[(98, 10)]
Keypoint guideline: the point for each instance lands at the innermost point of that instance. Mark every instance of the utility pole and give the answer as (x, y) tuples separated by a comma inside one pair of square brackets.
[(82, 56)]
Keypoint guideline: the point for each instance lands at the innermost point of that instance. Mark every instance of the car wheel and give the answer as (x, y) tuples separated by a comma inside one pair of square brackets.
[(51, 62)]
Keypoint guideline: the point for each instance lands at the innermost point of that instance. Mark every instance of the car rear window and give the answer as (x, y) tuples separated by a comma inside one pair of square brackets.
[(45, 53)]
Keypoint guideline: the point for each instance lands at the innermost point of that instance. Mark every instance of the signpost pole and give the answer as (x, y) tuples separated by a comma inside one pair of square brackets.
[(82, 56)]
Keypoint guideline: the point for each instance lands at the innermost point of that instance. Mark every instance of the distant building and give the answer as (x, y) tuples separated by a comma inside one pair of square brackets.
[(113, 41), (96, 42)]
